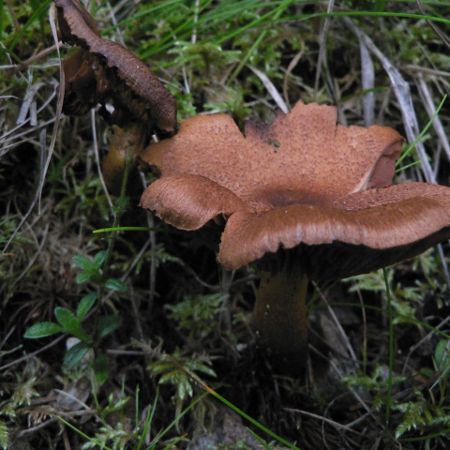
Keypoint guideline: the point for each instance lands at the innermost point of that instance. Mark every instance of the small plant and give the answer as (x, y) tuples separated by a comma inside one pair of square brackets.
[(420, 415), (115, 437), (4, 435), (180, 371), (19, 396), (196, 315), (117, 431), (441, 362), (72, 323), (22, 395)]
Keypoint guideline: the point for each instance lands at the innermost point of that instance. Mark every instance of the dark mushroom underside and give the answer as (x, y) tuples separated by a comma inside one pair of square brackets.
[(280, 314), (332, 262)]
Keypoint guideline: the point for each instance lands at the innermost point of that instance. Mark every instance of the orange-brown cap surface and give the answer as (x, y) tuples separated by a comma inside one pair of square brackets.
[(302, 154)]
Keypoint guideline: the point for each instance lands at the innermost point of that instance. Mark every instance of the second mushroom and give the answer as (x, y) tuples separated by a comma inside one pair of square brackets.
[(104, 72), (305, 197)]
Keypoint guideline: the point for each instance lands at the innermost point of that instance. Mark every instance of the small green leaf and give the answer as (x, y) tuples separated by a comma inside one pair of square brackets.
[(42, 329), (85, 305), (75, 354), (442, 355), (99, 259), (82, 262), (66, 318), (83, 277), (185, 390), (108, 324), (114, 284), (71, 324), (426, 372), (4, 436)]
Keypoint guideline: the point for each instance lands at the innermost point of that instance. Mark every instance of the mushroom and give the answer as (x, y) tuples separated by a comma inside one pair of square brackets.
[(305, 198), (105, 72)]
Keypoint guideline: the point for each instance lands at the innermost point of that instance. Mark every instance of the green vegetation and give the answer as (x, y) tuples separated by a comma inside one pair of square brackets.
[(119, 332)]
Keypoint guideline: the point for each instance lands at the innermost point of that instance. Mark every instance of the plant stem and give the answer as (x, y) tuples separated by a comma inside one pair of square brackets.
[(391, 347), (280, 319), (119, 228)]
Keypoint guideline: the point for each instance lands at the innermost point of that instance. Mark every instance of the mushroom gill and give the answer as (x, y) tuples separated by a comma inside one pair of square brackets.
[(312, 196)]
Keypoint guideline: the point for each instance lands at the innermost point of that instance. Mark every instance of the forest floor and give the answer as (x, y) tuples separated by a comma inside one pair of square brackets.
[(152, 345)]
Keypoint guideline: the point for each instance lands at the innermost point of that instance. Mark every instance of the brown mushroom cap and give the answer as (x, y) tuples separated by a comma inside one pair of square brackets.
[(199, 196), (302, 155), (359, 233), (72, 15), (305, 185), (137, 94)]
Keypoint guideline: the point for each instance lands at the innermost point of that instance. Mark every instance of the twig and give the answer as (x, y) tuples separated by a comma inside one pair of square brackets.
[(428, 70), (66, 441), (294, 61), (350, 350), (97, 161), (31, 355), (403, 95), (410, 122), (153, 262), (423, 340), (73, 398), (337, 425), (368, 83), (194, 28), (112, 15), (36, 428), (59, 106), (5, 339), (427, 99), (321, 60), (34, 58), (271, 89)]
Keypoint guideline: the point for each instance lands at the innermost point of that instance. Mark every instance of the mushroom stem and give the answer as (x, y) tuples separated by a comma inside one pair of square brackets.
[(124, 145), (280, 319)]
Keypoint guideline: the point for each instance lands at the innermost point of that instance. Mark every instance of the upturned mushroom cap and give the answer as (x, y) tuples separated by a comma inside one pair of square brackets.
[(303, 155), (303, 185), (121, 77)]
